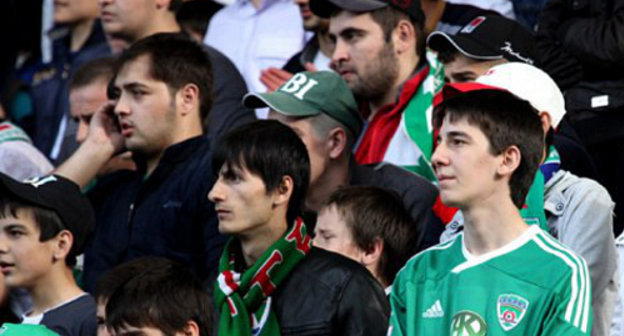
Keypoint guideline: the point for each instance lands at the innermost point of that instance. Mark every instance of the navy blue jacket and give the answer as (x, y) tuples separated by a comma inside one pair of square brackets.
[(166, 215), (50, 86)]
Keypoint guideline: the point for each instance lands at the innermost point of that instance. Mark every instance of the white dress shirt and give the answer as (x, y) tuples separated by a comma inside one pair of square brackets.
[(255, 39)]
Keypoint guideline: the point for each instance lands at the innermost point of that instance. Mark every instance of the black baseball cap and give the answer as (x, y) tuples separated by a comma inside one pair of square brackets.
[(56, 193), (324, 8), (488, 37)]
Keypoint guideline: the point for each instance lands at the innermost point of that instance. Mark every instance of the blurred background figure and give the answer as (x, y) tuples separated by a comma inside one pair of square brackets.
[(256, 35), (193, 16)]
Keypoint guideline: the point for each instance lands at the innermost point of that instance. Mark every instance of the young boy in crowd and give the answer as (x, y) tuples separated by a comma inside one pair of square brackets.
[(44, 224), (371, 226), (156, 296), (112, 280), (500, 275)]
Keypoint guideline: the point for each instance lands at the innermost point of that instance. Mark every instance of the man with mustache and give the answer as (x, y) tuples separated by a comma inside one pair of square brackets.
[(380, 53)]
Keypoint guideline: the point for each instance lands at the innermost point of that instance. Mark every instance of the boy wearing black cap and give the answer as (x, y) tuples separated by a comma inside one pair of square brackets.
[(486, 41), (44, 224)]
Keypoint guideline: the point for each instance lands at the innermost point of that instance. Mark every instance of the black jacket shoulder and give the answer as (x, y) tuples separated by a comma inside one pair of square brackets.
[(328, 294)]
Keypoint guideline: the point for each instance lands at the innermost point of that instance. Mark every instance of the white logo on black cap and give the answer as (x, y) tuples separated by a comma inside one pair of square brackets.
[(39, 181)]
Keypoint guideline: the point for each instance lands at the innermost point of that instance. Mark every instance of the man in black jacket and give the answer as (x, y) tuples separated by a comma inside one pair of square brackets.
[(326, 118), (162, 93), (270, 279)]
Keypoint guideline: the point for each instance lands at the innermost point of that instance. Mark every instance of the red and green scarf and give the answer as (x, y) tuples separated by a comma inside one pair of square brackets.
[(244, 298), (10, 132)]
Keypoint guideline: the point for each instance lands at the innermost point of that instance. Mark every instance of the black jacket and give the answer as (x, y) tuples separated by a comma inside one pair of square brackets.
[(228, 90), (165, 215), (297, 63), (582, 47), (328, 294)]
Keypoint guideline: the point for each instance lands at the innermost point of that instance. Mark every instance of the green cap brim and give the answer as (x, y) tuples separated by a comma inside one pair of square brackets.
[(281, 102)]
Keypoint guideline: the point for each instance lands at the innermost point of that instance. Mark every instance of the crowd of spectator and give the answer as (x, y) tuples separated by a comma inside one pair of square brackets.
[(311, 167)]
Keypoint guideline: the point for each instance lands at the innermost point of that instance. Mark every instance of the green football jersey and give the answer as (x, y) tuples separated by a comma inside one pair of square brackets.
[(531, 286)]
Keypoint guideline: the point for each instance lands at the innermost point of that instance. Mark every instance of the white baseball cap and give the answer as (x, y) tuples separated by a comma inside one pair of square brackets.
[(529, 83)]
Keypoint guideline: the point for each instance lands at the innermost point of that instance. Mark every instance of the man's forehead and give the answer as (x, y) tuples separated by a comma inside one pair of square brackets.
[(458, 126), (135, 70), (346, 20)]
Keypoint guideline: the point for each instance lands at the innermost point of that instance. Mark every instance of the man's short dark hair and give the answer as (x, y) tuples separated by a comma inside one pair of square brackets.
[(160, 294), (270, 150), (48, 221), (372, 213), (108, 283), (388, 18), (101, 69), (176, 60), (505, 120)]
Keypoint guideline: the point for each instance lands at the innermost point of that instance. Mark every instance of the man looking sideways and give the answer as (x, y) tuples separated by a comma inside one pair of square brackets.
[(263, 172), (163, 92), (500, 274), (380, 53)]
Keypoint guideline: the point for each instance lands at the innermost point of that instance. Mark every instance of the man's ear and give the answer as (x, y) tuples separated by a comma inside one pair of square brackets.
[(546, 121), (336, 142), (404, 37), (188, 99), (371, 256), (511, 157), (62, 245), (284, 191), (191, 329)]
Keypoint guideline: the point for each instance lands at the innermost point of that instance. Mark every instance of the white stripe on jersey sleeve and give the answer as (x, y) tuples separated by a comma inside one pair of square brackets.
[(579, 296), (585, 292)]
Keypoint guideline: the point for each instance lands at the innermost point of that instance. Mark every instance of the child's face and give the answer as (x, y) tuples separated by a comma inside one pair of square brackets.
[(332, 233), (24, 260)]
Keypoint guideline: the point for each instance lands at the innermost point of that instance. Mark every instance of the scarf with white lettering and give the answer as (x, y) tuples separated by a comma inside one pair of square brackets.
[(244, 298), (10, 132)]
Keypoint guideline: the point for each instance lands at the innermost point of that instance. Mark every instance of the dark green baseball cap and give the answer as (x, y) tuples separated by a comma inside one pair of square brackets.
[(308, 94), (10, 329)]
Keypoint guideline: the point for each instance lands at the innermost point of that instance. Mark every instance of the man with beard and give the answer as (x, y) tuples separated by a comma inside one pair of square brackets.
[(380, 53)]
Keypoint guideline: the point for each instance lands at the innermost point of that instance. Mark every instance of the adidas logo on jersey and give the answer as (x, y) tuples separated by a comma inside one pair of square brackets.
[(434, 311)]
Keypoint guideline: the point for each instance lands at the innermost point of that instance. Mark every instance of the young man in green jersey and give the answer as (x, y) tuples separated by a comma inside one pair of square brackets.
[(500, 276)]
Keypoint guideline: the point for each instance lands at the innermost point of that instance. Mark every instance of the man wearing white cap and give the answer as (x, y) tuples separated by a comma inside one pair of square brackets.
[(579, 211)]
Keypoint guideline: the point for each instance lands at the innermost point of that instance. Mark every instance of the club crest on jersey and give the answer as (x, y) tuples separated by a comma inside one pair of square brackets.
[(468, 323), (510, 310)]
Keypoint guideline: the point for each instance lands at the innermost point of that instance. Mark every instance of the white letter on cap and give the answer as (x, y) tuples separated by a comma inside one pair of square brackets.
[(311, 83), (294, 84)]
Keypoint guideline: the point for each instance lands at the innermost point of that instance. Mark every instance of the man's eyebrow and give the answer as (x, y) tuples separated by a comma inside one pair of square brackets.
[(132, 333), (457, 134), (14, 226), (463, 74), (351, 30), (134, 85)]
